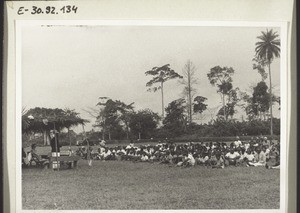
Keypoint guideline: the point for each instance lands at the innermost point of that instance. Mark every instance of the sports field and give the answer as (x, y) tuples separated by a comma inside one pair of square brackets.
[(128, 185)]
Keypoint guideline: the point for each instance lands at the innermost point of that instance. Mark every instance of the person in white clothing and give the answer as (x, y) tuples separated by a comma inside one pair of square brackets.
[(260, 158), (190, 160), (232, 157), (237, 143)]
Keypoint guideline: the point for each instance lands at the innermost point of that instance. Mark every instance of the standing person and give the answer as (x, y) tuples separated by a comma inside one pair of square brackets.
[(53, 140), (88, 148), (55, 148), (89, 155)]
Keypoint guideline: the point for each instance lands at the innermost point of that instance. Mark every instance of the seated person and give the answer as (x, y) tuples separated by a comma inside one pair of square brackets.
[(242, 160), (274, 162), (102, 143), (25, 161), (202, 159), (181, 159), (107, 154), (265, 141), (237, 143), (213, 159), (249, 157), (219, 161), (164, 159), (232, 157), (80, 152), (260, 157), (36, 157), (144, 158), (246, 145), (71, 152), (120, 153), (267, 153), (189, 160)]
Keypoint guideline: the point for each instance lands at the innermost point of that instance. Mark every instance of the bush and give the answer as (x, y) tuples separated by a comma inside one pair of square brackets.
[(222, 128)]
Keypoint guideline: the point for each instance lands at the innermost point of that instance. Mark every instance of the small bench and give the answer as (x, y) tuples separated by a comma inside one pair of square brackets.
[(70, 160)]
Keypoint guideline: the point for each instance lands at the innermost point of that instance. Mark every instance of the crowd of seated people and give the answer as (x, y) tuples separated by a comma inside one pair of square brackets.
[(256, 152)]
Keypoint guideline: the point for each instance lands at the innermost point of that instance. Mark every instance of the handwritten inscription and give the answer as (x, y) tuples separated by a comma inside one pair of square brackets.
[(47, 10)]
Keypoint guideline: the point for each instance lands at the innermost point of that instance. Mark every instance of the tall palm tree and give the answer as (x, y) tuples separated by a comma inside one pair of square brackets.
[(268, 48)]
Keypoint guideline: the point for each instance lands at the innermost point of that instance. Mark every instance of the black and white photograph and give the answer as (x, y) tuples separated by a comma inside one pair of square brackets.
[(150, 115)]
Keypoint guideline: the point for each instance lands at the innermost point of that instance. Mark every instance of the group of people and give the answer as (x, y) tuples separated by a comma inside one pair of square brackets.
[(255, 152), (33, 156)]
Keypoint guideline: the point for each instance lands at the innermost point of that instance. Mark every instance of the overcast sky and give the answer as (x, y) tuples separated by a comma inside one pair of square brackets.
[(71, 67)]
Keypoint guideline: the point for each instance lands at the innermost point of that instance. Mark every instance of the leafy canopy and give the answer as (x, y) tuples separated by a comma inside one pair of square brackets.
[(199, 105), (175, 120), (62, 119), (144, 122), (161, 75), (222, 78), (268, 47)]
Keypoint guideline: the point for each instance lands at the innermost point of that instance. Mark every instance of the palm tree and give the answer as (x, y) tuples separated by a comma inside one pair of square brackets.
[(267, 49)]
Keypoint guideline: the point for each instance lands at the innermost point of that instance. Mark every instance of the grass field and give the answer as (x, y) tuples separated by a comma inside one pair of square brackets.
[(127, 185)]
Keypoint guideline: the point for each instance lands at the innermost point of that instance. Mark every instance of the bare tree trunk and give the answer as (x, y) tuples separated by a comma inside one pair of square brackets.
[(109, 135), (103, 134), (162, 99), (189, 93), (224, 108), (271, 111), (139, 136), (184, 124), (127, 131), (69, 136)]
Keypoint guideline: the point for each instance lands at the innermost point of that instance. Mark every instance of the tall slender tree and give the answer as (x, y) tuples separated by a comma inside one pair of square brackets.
[(268, 48), (222, 78), (189, 81), (160, 76)]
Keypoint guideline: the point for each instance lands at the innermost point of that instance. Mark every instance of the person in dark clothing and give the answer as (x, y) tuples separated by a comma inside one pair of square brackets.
[(52, 141)]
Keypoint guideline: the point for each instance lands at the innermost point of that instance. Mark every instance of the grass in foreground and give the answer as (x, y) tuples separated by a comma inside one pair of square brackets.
[(127, 185)]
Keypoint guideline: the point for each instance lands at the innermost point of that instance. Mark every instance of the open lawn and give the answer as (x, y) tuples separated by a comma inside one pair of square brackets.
[(128, 185)]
